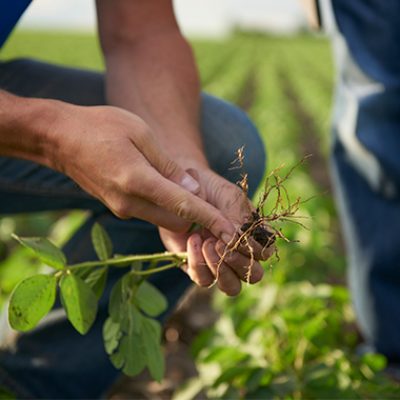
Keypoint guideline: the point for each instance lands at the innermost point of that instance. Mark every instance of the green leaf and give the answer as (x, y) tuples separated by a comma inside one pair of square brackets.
[(315, 325), (101, 242), (255, 377), (123, 311), (118, 359), (150, 299), (79, 302), (97, 280), (263, 393), (31, 300), (120, 296), (377, 362), (115, 302), (111, 335), (46, 251), (129, 355), (151, 336), (135, 360), (224, 354), (131, 322), (229, 374)]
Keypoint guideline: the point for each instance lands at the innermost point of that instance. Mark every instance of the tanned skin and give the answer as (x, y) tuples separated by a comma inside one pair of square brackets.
[(142, 154)]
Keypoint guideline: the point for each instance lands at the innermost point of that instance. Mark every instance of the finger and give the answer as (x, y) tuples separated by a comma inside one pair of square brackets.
[(164, 165), (268, 251), (194, 173), (246, 269), (249, 247), (158, 186), (184, 204), (197, 267), (228, 282), (126, 208), (148, 184), (173, 241)]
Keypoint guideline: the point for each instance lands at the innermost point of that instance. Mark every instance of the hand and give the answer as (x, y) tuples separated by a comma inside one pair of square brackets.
[(113, 155), (205, 251)]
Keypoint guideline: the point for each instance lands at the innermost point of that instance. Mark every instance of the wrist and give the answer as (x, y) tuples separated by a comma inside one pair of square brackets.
[(187, 150), (43, 116), (26, 128)]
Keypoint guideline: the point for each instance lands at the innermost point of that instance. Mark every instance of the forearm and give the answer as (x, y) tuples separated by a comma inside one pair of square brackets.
[(24, 128), (156, 78)]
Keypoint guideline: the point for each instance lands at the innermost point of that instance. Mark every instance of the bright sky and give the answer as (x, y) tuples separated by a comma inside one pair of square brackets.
[(196, 17)]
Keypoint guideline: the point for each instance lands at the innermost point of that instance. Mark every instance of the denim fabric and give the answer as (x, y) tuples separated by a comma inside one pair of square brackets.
[(366, 162), (10, 13), (54, 361)]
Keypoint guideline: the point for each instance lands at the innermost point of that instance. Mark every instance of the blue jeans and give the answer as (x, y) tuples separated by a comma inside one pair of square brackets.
[(54, 361), (366, 159)]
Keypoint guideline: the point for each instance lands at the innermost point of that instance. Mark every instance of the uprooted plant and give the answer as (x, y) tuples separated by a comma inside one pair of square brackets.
[(273, 208), (132, 333)]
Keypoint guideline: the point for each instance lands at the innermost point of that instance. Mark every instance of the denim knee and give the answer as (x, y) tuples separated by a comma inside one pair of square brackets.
[(226, 128)]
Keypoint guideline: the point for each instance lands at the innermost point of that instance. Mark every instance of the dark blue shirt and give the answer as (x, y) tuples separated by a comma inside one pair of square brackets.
[(10, 13)]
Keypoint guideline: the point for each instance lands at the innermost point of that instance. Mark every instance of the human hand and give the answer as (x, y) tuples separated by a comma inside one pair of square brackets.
[(209, 259), (113, 155)]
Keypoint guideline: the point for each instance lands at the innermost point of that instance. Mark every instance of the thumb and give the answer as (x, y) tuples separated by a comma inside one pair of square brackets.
[(186, 205), (168, 167), (195, 174), (177, 193)]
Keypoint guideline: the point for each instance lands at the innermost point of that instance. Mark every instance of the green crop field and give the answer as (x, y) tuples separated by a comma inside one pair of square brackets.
[(294, 335)]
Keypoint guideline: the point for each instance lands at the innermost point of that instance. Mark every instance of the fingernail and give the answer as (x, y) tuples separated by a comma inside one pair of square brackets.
[(211, 244), (190, 184), (196, 241), (226, 238)]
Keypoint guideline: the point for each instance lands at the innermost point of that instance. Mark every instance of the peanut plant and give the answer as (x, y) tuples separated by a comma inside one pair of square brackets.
[(131, 333)]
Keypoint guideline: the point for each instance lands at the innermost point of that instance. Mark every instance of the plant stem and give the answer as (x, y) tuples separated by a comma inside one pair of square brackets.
[(177, 258), (158, 269)]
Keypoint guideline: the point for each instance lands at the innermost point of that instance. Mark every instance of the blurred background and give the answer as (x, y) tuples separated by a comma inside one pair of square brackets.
[(294, 335), (206, 18)]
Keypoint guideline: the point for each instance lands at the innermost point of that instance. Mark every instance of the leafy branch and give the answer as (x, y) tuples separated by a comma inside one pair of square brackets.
[(131, 333)]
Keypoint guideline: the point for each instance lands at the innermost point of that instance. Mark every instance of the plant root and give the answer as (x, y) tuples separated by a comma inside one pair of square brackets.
[(261, 226)]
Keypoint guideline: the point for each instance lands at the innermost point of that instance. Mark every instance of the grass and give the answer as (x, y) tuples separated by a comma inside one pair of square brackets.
[(294, 335)]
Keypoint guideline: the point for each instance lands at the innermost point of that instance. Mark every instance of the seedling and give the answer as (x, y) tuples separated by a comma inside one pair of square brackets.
[(132, 334), (262, 225)]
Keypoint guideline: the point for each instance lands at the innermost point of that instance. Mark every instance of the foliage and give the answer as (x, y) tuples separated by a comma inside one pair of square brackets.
[(131, 333), (32, 299), (292, 341)]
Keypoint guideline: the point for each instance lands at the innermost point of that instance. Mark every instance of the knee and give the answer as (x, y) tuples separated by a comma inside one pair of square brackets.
[(17, 63), (227, 128)]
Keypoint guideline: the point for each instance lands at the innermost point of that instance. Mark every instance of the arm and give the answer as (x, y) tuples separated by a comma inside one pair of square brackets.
[(94, 146), (22, 133), (150, 71)]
